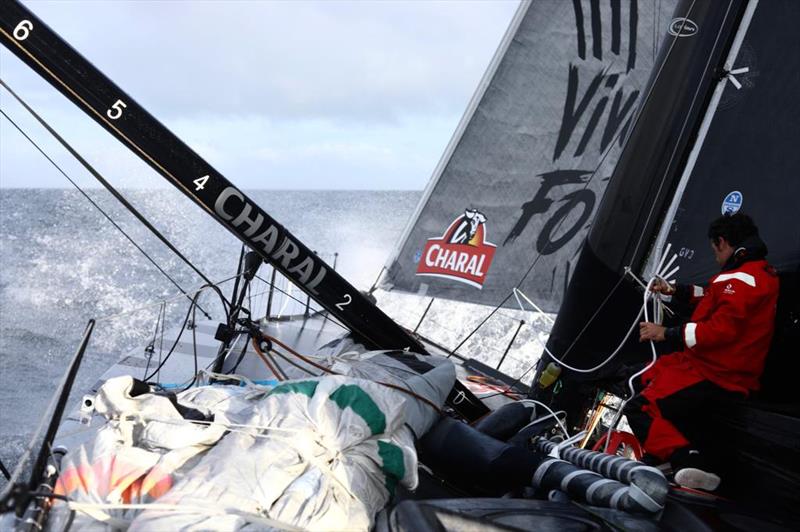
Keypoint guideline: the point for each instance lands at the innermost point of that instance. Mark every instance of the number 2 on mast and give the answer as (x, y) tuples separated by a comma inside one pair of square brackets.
[(347, 300)]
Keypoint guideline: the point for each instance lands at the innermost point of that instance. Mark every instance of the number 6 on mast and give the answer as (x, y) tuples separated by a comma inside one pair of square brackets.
[(22, 30)]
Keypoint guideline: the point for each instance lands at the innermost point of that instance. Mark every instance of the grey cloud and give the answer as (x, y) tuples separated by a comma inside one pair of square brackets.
[(344, 61)]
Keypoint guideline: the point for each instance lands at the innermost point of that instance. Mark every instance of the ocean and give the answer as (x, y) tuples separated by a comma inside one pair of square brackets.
[(62, 263)]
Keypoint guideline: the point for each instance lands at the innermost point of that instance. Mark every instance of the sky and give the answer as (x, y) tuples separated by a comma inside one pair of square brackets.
[(275, 95)]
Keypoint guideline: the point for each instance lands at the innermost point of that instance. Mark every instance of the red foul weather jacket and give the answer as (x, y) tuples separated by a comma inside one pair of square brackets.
[(731, 328)]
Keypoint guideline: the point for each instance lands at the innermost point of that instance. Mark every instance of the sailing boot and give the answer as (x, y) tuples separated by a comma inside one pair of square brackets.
[(691, 470)]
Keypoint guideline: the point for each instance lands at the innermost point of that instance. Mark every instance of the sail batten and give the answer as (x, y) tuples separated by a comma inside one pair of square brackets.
[(590, 322)]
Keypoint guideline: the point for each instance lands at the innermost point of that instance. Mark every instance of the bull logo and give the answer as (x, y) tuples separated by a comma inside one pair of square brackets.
[(462, 253), (466, 232)]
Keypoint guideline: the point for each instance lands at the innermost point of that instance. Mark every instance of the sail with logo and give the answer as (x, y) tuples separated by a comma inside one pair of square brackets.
[(717, 135), (522, 176)]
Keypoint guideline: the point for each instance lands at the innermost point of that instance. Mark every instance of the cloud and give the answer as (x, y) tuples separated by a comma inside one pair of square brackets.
[(340, 60), (275, 94)]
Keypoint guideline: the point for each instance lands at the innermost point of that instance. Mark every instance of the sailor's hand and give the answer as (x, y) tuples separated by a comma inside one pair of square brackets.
[(662, 287), (651, 331)]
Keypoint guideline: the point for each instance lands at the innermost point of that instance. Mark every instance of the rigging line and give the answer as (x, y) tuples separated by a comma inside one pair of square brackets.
[(655, 26), (321, 313), (590, 320), (151, 347), (178, 338), (4, 471), (194, 347), (552, 414), (331, 372), (158, 303), (239, 359), (295, 364), (516, 381), (249, 297), (546, 352), (492, 313), (271, 364), (227, 351), (107, 185), (161, 339), (96, 206), (378, 278)]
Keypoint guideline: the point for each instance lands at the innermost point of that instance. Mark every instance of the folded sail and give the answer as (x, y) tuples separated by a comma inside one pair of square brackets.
[(519, 184)]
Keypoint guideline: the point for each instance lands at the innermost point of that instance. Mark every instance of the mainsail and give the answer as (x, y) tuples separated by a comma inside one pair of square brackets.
[(516, 190), (600, 304), (746, 156), (711, 137), (718, 134)]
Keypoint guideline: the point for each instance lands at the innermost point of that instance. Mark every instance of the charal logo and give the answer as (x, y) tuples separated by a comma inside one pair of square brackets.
[(462, 253), (682, 27)]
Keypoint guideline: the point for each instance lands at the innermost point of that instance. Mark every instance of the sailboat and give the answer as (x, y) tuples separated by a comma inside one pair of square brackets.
[(387, 431)]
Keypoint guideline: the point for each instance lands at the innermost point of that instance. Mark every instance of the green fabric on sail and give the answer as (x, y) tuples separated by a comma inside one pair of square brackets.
[(393, 466), (362, 404), (305, 387)]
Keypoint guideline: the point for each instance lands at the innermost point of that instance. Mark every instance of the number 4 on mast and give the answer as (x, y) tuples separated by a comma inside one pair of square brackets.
[(200, 183)]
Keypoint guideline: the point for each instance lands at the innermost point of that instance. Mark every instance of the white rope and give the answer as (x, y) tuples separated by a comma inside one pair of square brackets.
[(661, 261), (517, 293), (641, 283), (645, 297), (652, 348), (643, 309), (604, 362), (551, 414), (670, 274)]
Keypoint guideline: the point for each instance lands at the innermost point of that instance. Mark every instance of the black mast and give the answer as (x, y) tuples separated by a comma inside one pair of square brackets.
[(600, 303), (51, 57)]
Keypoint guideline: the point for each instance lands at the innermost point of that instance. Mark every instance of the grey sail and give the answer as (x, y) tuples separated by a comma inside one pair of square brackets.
[(511, 200)]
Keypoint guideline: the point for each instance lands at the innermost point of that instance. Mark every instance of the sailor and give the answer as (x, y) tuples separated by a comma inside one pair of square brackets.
[(719, 355)]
